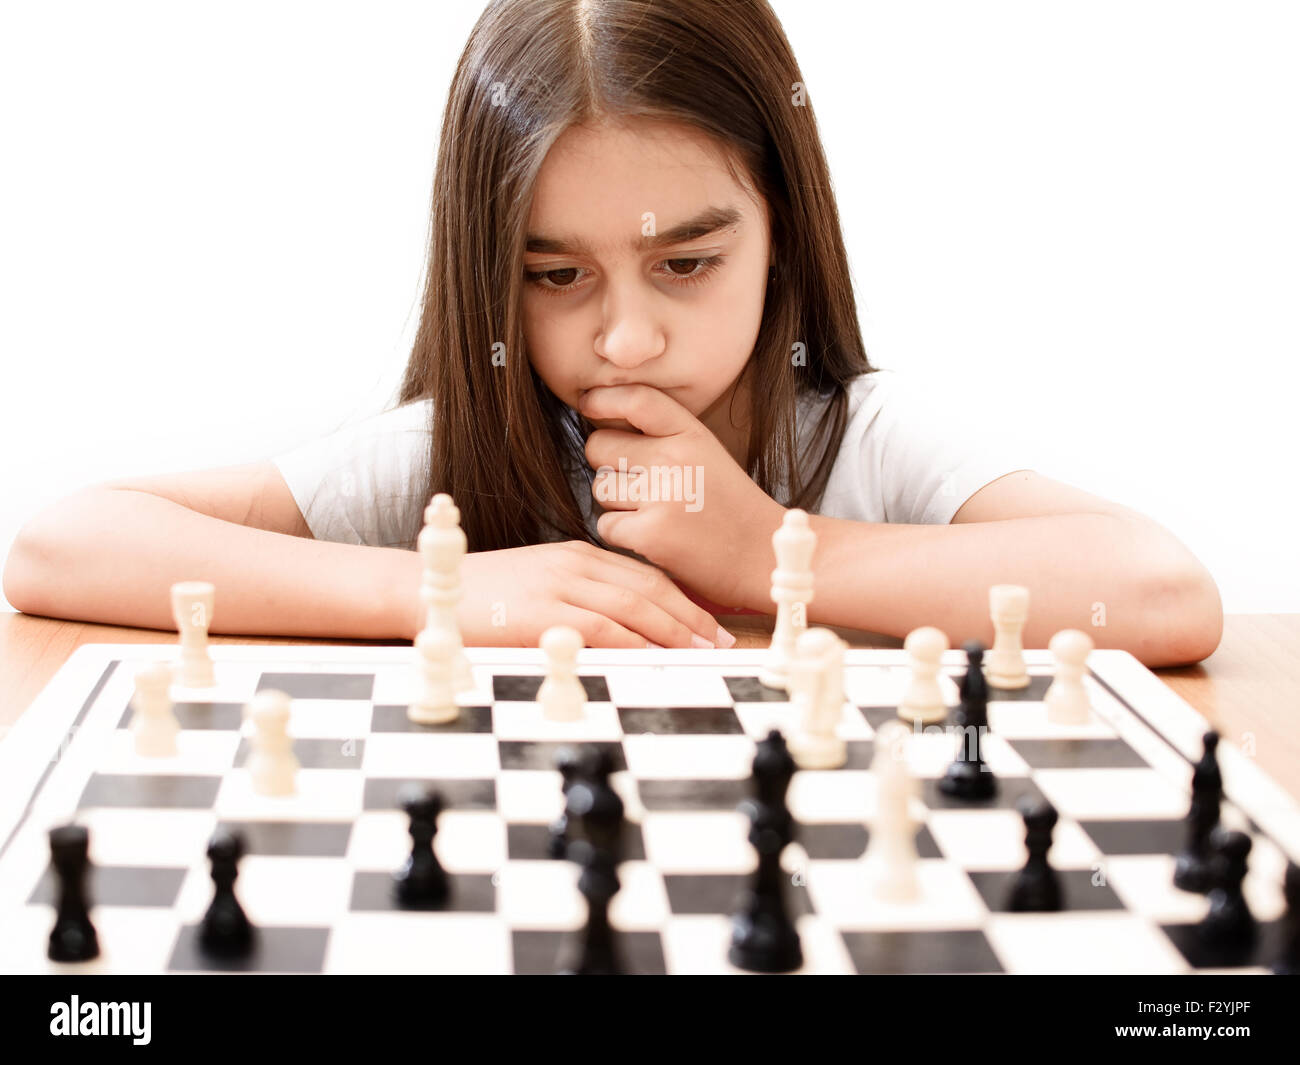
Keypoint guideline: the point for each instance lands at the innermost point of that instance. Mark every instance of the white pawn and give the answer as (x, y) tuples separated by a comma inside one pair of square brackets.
[(562, 695), (1067, 699), (1004, 665), (273, 766), (816, 679), (153, 723), (192, 603), (435, 702), (792, 591), (891, 851), (923, 702)]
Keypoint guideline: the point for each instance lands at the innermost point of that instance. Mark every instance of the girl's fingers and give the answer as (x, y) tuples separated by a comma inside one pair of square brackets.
[(632, 610), (597, 629)]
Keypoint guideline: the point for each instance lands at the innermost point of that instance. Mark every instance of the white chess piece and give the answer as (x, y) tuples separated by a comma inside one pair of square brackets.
[(923, 702), (792, 591), (1004, 665), (562, 695), (891, 851), (442, 545), (1067, 699), (816, 682), (272, 766), (192, 603), (435, 700), (153, 723)]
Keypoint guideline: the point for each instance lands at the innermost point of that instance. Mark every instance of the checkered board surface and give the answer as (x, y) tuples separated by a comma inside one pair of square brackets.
[(682, 727)]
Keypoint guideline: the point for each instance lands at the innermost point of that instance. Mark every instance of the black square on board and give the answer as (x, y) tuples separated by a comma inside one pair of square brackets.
[(692, 794), (966, 951), (293, 839), (391, 718), (1081, 753), (275, 950), (1202, 953), (539, 953), (217, 717), (523, 689), (679, 721), (849, 840), (1081, 889), (531, 842), (1136, 837), (467, 893), (753, 690), (720, 893), (154, 790), (878, 715), (319, 685), (1032, 693), (119, 885), (380, 793)]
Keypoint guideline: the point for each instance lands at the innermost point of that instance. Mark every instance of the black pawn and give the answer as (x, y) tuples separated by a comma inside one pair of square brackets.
[(1192, 866), (763, 936), (421, 881), (73, 937), (594, 813), (1288, 961), (567, 762), (1229, 922), (1037, 888), (225, 929), (969, 776)]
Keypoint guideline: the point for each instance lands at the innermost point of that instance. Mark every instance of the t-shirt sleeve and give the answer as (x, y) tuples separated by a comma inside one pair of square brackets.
[(364, 483), (929, 456)]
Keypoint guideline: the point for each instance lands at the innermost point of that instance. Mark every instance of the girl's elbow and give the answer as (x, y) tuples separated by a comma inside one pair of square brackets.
[(1188, 617), (22, 578)]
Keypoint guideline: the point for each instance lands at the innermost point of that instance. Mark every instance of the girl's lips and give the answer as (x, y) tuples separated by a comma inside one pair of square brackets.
[(661, 388)]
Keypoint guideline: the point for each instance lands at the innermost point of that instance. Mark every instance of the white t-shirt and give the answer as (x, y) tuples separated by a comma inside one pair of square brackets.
[(902, 459)]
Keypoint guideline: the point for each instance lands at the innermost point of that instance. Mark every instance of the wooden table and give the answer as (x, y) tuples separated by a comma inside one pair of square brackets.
[(1249, 689)]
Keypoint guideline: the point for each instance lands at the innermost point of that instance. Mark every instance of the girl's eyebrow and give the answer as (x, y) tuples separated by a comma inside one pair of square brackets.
[(708, 221)]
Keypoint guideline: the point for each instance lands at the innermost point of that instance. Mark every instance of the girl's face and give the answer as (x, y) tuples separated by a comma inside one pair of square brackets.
[(616, 293)]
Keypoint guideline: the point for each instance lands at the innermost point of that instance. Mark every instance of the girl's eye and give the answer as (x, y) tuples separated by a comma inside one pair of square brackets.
[(556, 282), (559, 278)]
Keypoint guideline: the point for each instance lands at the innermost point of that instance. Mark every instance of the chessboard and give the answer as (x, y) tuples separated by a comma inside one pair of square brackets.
[(681, 727)]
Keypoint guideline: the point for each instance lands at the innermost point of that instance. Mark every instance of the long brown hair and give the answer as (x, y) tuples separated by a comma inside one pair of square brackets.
[(501, 442)]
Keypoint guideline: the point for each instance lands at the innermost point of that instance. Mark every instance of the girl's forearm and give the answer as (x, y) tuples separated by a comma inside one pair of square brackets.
[(1126, 582), (111, 555)]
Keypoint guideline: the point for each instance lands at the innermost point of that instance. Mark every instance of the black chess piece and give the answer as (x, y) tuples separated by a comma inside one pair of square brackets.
[(421, 881), (594, 814), (1036, 888), (225, 929), (73, 937), (1192, 865), (763, 935), (973, 688), (568, 763), (969, 776), (1288, 960), (1229, 922)]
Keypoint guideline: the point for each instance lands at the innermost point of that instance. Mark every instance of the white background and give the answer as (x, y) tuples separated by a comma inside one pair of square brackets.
[(1082, 217)]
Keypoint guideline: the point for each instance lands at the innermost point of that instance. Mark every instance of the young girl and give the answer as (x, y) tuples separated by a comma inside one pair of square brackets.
[(636, 281)]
